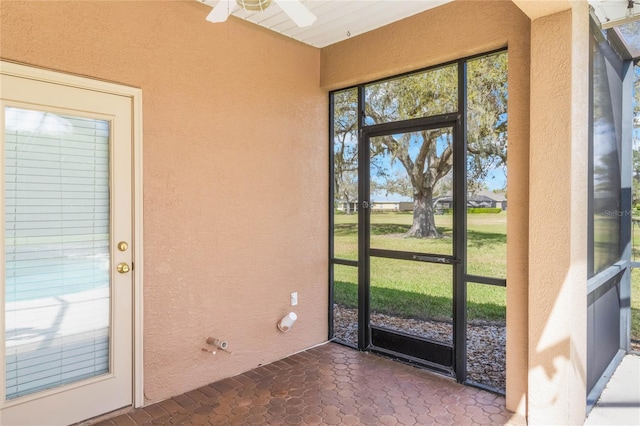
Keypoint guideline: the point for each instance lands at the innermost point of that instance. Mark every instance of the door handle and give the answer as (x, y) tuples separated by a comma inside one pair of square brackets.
[(123, 268), (435, 259)]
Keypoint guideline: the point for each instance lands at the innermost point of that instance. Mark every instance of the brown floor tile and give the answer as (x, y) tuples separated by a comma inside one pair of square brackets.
[(180, 419), (140, 416), (293, 419), (329, 384), (184, 401), (312, 419), (155, 411), (462, 419), (104, 423), (170, 406), (123, 420)]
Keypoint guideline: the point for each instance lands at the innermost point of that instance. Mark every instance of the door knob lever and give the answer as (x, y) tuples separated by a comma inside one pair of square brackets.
[(123, 268)]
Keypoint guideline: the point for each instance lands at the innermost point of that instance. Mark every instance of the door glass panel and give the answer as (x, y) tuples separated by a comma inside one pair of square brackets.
[(412, 297), (57, 259), (411, 191), (423, 94), (345, 304)]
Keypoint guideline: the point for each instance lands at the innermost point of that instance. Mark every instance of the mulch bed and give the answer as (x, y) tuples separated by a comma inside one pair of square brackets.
[(486, 341)]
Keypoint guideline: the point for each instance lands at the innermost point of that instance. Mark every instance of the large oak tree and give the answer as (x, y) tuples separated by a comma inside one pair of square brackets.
[(427, 156)]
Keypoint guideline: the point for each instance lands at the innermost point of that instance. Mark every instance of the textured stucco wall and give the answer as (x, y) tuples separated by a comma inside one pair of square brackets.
[(447, 33), (558, 217), (235, 173)]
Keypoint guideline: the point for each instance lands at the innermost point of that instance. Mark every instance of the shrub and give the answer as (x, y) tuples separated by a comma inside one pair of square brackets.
[(474, 210)]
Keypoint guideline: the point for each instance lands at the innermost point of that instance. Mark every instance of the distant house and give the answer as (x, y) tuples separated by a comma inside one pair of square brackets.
[(496, 199), (391, 206), (350, 207), (480, 199), (381, 203)]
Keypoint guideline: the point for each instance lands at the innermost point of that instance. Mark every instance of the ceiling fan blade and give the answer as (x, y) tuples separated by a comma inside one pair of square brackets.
[(297, 12), (221, 11)]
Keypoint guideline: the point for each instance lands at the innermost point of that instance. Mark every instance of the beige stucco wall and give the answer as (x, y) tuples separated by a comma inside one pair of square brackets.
[(235, 174), (447, 33), (558, 217)]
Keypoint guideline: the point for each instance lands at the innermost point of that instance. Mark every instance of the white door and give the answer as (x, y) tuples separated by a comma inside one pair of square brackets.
[(67, 285)]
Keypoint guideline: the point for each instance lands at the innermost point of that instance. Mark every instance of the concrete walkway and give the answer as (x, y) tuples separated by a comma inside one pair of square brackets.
[(619, 403)]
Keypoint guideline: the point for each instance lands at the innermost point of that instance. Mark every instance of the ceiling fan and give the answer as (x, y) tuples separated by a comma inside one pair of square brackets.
[(293, 8)]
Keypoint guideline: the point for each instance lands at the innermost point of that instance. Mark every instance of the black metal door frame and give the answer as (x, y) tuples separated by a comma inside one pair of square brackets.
[(448, 360)]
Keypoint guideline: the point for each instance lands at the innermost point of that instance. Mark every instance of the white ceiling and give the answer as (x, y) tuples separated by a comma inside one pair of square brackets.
[(340, 19), (337, 19), (609, 11)]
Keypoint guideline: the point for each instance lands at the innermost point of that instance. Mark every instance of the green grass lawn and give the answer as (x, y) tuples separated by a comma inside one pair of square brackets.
[(424, 290), (417, 289)]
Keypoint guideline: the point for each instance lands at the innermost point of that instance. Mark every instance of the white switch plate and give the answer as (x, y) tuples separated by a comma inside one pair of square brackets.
[(294, 298)]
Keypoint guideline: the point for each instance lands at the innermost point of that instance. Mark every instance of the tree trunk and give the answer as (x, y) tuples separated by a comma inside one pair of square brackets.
[(424, 225), (348, 200)]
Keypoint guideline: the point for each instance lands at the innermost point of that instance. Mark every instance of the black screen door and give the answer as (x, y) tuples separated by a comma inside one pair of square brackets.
[(409, 242)]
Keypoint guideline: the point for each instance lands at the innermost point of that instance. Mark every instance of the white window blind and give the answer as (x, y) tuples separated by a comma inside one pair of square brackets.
[(57, 263)]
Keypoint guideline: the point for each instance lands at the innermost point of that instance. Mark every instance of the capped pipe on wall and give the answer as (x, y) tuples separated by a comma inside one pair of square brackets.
[(287, 321), (218, 344)]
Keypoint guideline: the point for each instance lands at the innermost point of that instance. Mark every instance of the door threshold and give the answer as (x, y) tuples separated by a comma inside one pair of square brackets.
[(413, 361), (105, 416)]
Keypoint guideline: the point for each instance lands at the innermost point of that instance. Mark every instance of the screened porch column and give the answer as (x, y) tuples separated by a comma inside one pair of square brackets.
[(558, 194)]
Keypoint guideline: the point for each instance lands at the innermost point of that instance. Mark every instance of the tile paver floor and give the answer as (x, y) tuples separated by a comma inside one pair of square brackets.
[(328, 384)]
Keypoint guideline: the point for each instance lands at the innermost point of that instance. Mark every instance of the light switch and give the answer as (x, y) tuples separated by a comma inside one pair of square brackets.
[(294, 298)]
